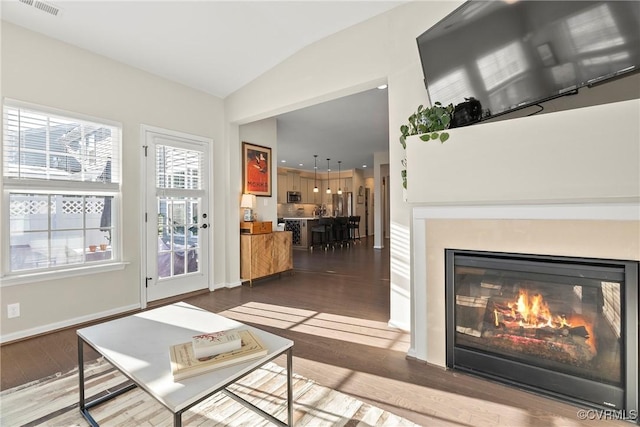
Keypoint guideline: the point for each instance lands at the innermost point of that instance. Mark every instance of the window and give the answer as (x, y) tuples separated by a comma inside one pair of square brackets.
[(594, 30), (61, 182), (502, 65), (454, 86)]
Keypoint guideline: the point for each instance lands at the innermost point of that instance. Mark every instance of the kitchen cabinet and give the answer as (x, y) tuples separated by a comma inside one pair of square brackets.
[(343, 183), (304, 190), (266, 254), (293, 181), (322, 190), (300, 230), (313, 197), (335, 184), (282, 188), (346, 184)]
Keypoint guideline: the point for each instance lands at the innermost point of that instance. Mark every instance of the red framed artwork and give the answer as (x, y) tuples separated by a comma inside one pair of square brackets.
[(256, 169)]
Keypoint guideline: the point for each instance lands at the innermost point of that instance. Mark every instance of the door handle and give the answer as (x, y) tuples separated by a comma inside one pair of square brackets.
[(204, 226)]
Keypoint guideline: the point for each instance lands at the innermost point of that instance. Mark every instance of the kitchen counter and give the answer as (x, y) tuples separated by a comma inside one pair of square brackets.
[(300, 230), (291, 218)]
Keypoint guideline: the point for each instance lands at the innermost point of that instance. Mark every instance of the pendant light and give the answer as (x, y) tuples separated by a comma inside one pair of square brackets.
[(328, 181), (339, 188), (315, 173)]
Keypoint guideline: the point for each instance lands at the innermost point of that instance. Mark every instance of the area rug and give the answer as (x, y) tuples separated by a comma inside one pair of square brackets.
[(54, 402)]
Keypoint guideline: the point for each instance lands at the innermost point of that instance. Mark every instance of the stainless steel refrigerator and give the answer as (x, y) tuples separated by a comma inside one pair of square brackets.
[(342, 204)]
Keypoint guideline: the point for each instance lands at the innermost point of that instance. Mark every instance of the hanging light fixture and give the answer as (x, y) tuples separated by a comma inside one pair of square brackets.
[(328, 181), (339, 188), (315, 173)]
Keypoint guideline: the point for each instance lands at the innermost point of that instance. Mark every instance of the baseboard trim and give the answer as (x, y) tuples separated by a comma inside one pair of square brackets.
[(233, 285), (399, 325), (51, 327), (411, 354), (176, 298)]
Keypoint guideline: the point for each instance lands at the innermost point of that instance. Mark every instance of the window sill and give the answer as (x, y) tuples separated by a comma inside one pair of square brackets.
[(21, 279)]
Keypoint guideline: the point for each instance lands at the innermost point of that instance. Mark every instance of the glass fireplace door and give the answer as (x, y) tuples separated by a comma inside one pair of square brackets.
[(550, 323)]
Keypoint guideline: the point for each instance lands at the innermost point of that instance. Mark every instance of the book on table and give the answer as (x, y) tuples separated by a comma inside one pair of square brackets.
[(211, 344), (185, 364)]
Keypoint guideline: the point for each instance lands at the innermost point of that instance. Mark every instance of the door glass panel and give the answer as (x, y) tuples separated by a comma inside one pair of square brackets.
[(177, 236), (178, 168)]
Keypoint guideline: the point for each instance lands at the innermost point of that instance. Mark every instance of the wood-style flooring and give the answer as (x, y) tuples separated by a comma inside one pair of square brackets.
[(335, 306)]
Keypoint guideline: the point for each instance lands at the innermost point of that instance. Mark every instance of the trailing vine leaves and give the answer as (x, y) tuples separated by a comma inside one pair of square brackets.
[(430, 123)]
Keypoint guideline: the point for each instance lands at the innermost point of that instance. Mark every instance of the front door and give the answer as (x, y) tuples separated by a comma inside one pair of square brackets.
[(176, 212)]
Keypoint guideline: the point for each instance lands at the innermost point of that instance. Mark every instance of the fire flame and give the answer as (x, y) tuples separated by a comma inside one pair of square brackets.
[(531, 311), (534, 312)]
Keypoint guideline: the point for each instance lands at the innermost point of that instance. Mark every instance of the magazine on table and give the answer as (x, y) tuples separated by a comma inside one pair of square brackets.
[(213, 343), (185, 364)]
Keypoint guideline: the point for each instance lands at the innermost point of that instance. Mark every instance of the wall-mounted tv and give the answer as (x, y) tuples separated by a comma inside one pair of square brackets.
[(513, 54)]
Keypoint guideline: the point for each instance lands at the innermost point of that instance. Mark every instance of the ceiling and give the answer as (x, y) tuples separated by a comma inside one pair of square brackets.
[(348, 129), (218, 47)]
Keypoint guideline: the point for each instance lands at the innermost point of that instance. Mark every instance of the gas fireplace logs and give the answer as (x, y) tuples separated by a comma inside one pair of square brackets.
[(524, 324)]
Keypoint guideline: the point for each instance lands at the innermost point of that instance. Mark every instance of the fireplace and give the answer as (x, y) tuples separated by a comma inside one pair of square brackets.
[(561, 326)]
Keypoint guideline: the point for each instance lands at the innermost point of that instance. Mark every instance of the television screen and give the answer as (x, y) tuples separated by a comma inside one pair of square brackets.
[(512, 54)]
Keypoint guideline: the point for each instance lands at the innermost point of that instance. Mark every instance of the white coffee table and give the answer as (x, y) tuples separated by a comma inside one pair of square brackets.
[(138, 346)]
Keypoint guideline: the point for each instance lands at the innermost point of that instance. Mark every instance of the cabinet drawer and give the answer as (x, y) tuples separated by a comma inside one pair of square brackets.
[(256, 227)]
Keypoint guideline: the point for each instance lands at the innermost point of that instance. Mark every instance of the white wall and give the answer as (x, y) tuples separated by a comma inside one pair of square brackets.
[(380, 50), (264, 133), (43, 71), (566, 157)]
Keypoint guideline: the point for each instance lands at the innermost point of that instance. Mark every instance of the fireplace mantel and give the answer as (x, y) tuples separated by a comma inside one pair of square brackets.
[(538, 185)]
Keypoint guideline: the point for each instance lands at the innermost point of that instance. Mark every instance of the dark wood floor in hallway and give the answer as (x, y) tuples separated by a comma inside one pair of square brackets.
[(335, 306)]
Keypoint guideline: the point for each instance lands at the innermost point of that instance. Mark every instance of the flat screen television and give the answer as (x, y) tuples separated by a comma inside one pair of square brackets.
[(513, 54)]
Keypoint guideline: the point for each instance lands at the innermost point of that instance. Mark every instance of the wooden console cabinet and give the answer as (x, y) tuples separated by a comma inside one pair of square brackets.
[(262, 255)]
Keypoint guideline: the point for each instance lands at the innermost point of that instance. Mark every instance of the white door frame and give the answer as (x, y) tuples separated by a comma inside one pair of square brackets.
[(145, 130)]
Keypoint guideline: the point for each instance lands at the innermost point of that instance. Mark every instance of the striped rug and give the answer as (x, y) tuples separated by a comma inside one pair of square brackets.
[(54, 402)]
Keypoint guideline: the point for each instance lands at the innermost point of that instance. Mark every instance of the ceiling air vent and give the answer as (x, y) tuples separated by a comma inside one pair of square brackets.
[(43, 6), (46, 7)]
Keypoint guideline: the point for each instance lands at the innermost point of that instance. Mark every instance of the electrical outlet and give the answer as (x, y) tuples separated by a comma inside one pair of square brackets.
[(13, 310)]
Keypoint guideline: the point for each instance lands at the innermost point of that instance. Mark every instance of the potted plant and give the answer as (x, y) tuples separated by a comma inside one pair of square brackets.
[(429, 123)]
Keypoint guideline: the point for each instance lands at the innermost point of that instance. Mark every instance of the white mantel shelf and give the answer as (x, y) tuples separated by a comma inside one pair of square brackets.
[(563, 157)]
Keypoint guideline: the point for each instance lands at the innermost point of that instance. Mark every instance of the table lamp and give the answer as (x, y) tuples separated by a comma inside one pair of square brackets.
[(248, 201)]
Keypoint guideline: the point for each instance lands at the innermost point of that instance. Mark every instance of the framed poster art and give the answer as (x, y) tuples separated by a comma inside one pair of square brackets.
[(256, 169)]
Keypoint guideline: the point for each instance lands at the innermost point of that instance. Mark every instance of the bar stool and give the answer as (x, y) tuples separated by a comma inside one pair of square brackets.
[(354, 228), (324, 232), (341, 230)]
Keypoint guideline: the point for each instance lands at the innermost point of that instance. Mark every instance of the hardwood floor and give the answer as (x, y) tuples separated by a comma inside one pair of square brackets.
[(335, 307)]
